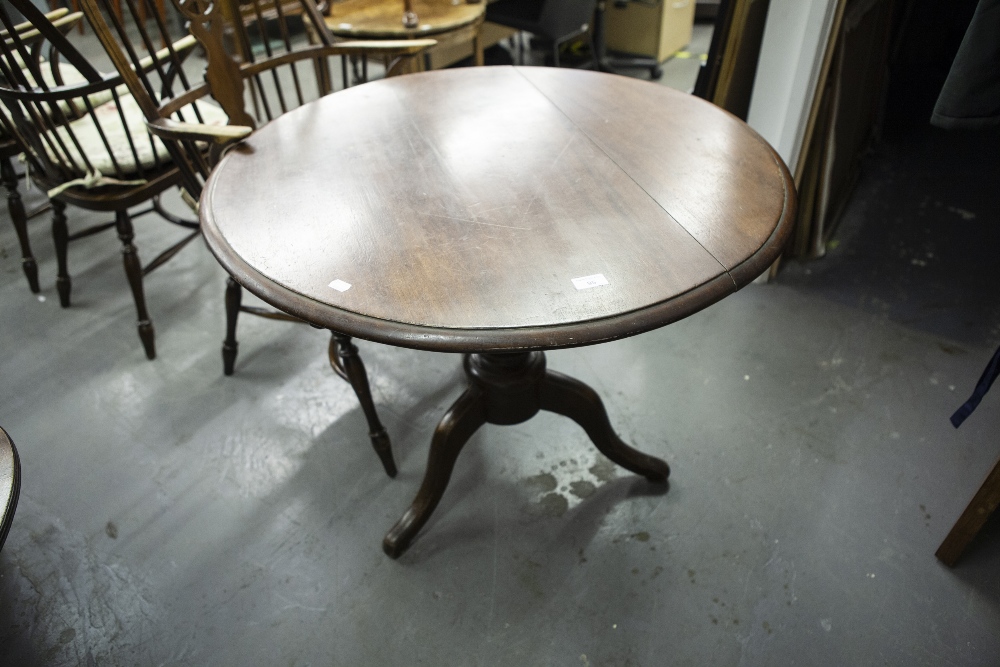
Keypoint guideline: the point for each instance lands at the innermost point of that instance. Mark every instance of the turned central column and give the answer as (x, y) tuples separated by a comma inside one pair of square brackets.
[(511, 383)]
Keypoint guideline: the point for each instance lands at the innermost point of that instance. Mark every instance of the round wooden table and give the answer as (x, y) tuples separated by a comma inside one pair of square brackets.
[(500, 212), (447, 21)]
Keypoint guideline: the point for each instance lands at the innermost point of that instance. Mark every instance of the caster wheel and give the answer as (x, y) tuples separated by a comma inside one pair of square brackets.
[(655, 73)]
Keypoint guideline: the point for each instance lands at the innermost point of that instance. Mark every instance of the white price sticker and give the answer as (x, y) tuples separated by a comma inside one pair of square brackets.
[(340, 285), (587, 282)]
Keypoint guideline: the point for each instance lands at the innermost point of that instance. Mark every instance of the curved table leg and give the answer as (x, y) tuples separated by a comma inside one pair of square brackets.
[(571, 398), (346, 363), (466, 415)]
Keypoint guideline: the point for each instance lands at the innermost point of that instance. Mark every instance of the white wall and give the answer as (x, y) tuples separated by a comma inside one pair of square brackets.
[(791, 56)]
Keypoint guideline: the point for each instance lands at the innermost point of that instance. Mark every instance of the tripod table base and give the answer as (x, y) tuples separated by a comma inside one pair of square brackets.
[(510, 389)]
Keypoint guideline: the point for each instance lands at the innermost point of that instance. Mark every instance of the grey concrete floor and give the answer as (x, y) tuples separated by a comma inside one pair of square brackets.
[(172, 516)]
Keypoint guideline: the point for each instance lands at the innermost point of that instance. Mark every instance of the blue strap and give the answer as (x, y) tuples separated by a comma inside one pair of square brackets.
[(985, 382)]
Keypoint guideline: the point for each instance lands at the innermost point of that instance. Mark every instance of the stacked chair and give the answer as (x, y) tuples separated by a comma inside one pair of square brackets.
[(85, 142), (10, 148)]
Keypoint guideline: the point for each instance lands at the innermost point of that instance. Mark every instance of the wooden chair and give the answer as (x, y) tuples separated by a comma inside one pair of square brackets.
[(10, 483), (87, 144), (10, 148), (260, 65)]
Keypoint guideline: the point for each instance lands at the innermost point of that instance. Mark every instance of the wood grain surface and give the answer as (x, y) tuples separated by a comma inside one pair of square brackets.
[(384, 18), (707, 168), (461, 204)]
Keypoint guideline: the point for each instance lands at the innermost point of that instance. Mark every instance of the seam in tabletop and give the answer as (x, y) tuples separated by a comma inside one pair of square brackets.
[(597, 145)]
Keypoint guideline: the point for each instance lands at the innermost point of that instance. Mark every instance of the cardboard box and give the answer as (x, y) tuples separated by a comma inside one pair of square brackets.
[(658, 31)]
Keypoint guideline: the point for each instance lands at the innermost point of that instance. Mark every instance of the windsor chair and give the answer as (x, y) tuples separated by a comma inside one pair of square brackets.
[(264, 58), (87, 144)]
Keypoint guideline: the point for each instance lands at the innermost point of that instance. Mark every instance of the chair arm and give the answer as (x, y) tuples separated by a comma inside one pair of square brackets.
[(181, 46), (23, 27), (63, 21), (66, 22), (166, 128), (53, 15)]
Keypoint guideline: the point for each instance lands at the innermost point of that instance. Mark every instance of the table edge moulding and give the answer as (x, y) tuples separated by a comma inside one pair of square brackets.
[(514, 338)]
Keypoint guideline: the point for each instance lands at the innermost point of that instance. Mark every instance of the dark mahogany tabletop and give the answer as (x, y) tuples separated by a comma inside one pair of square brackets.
[(463, 206)]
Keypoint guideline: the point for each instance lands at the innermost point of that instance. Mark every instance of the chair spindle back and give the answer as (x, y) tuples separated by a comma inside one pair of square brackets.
[(77, 122), (263, 59)]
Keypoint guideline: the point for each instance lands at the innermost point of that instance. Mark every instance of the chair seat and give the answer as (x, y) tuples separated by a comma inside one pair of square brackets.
[(95, 137)]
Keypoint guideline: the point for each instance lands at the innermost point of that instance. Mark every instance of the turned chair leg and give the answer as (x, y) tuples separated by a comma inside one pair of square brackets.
[(60, 237), (19, 218), (234, 298), (133, 271), (346, 362)]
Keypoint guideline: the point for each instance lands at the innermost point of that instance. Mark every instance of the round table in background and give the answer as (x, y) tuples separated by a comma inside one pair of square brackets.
[(500, 212), (447, 21)]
